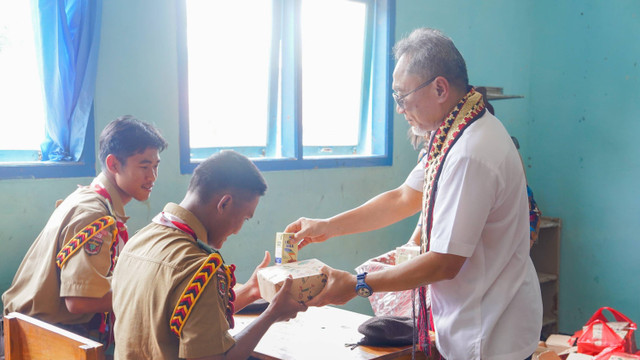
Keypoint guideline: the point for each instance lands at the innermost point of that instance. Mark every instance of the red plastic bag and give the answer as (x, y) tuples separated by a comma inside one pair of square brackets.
[(616, 353), (599, 333)]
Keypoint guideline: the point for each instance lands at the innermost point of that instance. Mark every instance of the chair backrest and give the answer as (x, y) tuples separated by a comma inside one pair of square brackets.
[(28, 338)]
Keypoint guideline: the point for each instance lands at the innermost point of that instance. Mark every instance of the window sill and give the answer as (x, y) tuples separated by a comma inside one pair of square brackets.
[(45, 169), (307, 163)]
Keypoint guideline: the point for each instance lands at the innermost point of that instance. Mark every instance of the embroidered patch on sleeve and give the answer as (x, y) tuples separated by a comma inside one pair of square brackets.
[(94, 245), (81, 238), (222, 284)]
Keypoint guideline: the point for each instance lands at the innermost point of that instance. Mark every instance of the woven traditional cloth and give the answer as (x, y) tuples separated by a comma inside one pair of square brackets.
[(469, 109), (82, 237)]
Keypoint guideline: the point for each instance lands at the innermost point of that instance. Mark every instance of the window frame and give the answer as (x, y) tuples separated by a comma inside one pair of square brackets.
[(86, 166), (377, 87), (27, 164)]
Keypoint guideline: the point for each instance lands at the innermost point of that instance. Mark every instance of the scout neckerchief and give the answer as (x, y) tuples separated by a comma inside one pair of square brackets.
[(123, 235), (122, 227), (200, 279), (469, 109)]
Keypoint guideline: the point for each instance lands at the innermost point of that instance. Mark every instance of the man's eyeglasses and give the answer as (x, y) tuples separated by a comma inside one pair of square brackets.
[(400, 98)]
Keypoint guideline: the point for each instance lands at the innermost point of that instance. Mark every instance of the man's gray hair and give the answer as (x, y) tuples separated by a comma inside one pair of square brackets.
[(431, 53)]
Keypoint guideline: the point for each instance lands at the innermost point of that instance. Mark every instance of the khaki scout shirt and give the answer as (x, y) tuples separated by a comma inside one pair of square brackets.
[(39, 287), (153, 269)]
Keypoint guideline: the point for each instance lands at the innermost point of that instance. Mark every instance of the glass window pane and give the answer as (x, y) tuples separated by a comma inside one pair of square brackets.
[(332, 71), (228, 50), (21, 98)]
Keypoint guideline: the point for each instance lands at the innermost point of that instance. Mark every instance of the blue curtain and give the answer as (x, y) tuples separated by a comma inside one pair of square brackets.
[(68, 35)]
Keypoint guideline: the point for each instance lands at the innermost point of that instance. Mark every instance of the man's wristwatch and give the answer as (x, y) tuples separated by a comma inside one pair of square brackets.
[(362, 289)]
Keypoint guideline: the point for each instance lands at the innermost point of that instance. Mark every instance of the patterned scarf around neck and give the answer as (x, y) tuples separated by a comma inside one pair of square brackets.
[(469, 109)]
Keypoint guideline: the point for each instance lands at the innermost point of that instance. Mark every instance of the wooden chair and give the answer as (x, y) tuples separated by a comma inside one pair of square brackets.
[(26, 338)]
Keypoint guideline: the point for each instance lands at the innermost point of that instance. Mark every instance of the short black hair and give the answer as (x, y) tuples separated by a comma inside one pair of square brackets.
[(227, 170), (127, 136)]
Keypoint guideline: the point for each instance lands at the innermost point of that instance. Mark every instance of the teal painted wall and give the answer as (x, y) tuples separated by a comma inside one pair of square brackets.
[(583, 149), (576, 63)]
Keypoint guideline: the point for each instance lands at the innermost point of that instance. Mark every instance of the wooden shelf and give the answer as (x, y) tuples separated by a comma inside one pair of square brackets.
[(545, 278), (503, 97), (549, 320), (496, 93), (545, 255), (548, 222)]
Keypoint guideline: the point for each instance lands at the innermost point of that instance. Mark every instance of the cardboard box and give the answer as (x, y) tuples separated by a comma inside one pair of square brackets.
[(308, 281), (556, 347), (559, 343), (621, 328), (623, 356), (579, 356), (545, 355)]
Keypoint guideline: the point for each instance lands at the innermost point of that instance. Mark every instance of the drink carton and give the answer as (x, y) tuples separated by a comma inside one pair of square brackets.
[(286, 248)]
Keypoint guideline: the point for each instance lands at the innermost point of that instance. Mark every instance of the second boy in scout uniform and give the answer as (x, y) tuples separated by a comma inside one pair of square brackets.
[(173, 294)]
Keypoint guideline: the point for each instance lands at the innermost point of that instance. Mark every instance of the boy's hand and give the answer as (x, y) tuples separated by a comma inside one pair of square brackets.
[(283, 306), (252, 283)]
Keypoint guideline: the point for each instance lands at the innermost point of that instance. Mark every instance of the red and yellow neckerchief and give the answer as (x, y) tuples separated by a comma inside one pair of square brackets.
[(470, 108), (121, 229), (200, 279)]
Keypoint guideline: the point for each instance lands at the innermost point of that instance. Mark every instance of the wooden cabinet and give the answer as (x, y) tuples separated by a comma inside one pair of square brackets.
[(545, 254)]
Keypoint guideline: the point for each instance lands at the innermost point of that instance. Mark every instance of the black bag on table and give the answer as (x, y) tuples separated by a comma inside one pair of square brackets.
[(387, 331)]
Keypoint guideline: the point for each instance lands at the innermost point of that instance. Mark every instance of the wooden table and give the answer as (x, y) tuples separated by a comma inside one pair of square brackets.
[(319, 333)]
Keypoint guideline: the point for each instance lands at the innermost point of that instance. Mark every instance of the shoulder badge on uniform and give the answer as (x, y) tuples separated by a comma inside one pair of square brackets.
[(222, 284), (82, 237), (93, 246), (192, 292)]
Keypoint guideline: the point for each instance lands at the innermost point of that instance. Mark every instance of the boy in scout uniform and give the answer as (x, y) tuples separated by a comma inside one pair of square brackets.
[(181, 300), (64, 278)]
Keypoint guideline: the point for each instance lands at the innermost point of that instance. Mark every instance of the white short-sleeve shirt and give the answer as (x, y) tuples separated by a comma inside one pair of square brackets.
[(492, 309), (415, 180)]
